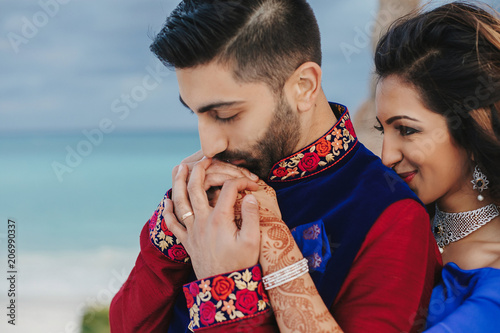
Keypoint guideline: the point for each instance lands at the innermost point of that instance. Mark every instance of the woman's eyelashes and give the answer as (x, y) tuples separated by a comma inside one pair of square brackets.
[(403, 130), (406, 131), (379, 128)]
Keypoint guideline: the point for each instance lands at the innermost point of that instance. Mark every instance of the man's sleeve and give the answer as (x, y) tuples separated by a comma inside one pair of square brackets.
[(389, 285), (146, 300), (231, 302)]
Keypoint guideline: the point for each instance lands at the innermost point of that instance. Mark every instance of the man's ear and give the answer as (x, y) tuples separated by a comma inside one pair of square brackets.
[(305, 85)]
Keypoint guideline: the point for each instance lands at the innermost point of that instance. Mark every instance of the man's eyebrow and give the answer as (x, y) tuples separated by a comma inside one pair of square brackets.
[(211, 106), (393, 119)]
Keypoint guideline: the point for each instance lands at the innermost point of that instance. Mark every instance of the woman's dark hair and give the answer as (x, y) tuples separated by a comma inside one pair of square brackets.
[(262, 40), (451, 56)]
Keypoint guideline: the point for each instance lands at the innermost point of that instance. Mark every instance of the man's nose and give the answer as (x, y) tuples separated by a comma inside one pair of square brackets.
[(212, 138)]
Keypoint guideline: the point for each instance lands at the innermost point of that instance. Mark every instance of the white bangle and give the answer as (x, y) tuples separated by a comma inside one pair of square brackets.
[(286, 274)]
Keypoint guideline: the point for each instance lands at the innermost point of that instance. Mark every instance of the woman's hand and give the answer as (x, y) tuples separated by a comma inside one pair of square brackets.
[(215, 243)]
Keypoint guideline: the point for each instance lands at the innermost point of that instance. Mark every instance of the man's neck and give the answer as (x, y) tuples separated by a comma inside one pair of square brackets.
[(317, 122)]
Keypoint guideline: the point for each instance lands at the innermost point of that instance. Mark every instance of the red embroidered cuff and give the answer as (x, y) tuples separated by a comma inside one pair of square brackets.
[(226, 298), (163, 239)]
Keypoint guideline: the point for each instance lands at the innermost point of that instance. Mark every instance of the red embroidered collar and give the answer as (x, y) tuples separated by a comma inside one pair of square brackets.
[(319, 155)]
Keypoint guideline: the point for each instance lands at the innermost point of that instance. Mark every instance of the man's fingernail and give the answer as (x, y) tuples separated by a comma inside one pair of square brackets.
[(181, 166), (254, 176)]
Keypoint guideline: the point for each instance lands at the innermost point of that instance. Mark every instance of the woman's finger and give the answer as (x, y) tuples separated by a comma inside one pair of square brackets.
[(229, 193)]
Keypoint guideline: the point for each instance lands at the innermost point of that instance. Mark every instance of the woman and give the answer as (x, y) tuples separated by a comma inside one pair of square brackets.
[(438, 105)]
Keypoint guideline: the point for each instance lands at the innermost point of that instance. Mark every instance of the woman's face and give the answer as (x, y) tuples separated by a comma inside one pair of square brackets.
[(418, 145)]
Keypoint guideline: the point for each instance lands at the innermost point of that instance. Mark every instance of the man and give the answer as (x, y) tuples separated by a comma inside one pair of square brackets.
[(250, 70)]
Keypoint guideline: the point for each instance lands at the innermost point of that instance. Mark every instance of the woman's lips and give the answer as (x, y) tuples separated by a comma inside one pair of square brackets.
[(407, 176)]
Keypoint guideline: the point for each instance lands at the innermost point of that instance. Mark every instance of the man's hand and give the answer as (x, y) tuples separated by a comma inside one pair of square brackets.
[(210, 236), (217, 173)]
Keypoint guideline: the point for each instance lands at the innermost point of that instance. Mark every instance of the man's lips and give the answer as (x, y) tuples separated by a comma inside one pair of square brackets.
[(407, 176)]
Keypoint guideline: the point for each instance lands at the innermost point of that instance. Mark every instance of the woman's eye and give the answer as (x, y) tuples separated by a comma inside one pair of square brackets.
[(379, 128), (405, 131)]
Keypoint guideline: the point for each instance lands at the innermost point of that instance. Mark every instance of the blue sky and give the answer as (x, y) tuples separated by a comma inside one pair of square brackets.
[(68, 64)]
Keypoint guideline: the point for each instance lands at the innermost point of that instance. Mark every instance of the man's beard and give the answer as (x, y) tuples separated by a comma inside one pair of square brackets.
[(278, 142)]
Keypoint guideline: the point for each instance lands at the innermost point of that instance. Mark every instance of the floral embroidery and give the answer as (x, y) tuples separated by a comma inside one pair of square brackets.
[(323, 147), (312, 240), (223, 286), (314, 261), (246, 301), (312, 232), (205, 286), (322, 154), (228, 307), (309, 162), (225, 298), (189, 298), (207, 313), (163, 239)]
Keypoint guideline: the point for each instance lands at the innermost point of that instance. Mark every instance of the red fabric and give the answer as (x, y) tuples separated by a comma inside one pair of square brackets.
[(387, 290), (262, 323), (389, 286), (146, 300)]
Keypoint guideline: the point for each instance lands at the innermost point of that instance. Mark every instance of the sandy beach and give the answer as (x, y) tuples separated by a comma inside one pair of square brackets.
[(53, 292)]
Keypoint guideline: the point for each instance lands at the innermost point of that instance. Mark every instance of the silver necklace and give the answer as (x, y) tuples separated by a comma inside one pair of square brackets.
[(451, 227)]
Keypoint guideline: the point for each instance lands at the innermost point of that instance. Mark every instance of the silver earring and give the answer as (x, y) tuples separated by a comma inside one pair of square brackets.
[(480, 182)]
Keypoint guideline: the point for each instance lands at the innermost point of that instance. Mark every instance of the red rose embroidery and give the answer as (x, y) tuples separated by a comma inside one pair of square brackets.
[(152, 220), (309, 162), (189, 297), (256, 273), (221, 288), (194, 289), (262, 292), (177, 252), (350, 127), (165, 229), (207, 313), (246, 301), (280, 172), (323, 147)]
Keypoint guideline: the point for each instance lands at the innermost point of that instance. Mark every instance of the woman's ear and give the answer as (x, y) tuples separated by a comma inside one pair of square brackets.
[(305, 85)]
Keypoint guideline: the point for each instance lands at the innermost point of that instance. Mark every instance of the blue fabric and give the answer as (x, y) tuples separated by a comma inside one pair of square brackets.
[(344, 200), (348, 199), (311, 238), (465, 301)]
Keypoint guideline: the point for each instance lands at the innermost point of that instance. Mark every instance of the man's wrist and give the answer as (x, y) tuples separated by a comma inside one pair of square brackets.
[(163, 239)]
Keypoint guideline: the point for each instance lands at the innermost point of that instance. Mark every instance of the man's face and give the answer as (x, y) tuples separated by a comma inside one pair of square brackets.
[(242, 123)]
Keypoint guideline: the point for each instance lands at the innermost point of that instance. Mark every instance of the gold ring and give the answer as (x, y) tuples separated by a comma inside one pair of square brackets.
[(185, 216)]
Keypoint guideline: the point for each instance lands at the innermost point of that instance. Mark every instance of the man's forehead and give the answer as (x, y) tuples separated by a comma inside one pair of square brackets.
[(207, 86)]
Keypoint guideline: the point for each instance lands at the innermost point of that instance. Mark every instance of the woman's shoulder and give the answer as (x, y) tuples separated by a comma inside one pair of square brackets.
[(470, 256)]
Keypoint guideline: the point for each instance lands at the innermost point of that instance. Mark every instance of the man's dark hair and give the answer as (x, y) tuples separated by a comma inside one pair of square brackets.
[(261, 40)]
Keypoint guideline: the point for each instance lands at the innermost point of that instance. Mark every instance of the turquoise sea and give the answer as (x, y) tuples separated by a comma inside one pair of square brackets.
[(77, 236), (62, 203)]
